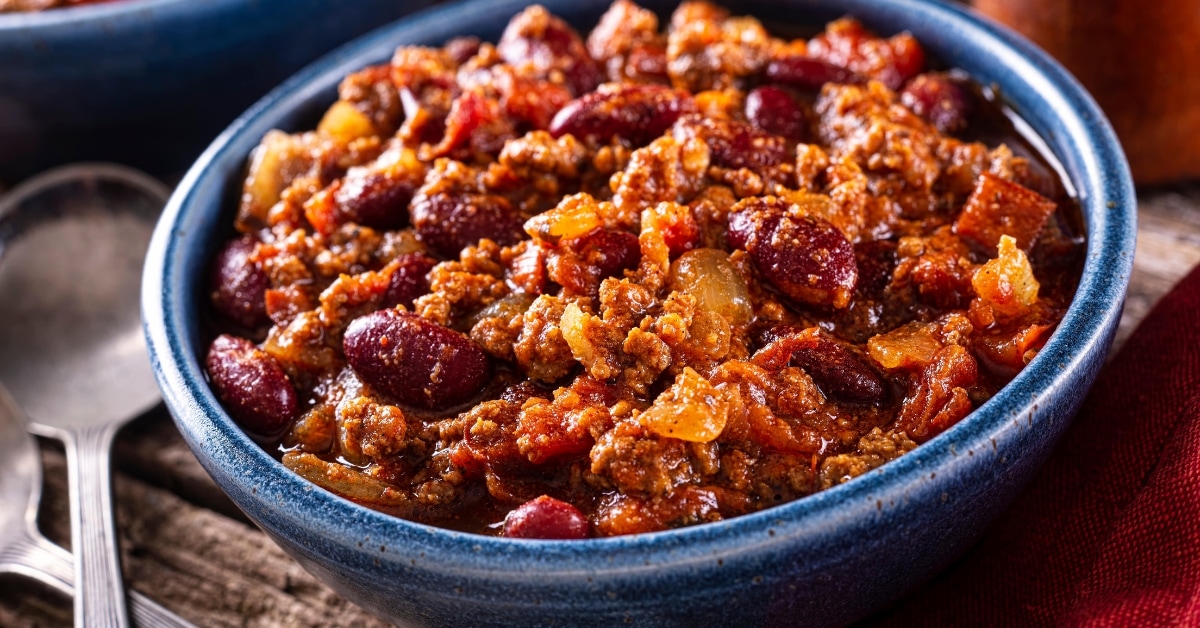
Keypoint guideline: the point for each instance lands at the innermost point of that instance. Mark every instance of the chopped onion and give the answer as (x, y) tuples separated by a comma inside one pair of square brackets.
[(1007, 282), (707, 275), (692, 409)]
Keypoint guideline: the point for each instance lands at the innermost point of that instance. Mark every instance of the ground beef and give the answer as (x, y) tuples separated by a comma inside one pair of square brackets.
[(651, 278)]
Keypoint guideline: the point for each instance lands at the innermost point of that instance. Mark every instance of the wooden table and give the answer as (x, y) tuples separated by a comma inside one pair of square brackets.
[(187, 546)]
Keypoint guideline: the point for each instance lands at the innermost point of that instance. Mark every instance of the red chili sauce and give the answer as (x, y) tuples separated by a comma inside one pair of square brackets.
[(559, 287)]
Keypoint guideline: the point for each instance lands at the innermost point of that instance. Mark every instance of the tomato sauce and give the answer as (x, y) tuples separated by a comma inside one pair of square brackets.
[(665, 274)]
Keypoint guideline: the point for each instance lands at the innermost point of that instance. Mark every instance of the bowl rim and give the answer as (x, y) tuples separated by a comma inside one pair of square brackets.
[(1104, 190)]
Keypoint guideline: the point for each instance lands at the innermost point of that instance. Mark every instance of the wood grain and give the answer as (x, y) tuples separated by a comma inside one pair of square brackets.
[(208, 567), (1168, 246), (187, 546)]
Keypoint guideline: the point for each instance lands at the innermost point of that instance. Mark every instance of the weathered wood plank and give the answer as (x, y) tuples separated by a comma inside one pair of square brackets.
[(1168, 246), (207, 567), (152, 450), (26, 603)]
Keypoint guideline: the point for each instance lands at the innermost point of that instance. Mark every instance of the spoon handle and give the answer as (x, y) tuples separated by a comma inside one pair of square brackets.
[(100, 590), (41, 560), (37, 558)]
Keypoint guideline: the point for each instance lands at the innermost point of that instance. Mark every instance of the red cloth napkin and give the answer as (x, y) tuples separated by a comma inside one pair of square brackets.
[(1108, 534)]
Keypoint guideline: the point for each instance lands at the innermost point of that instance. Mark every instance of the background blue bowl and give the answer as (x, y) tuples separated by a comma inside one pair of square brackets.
[(151, 82), (825, 559)]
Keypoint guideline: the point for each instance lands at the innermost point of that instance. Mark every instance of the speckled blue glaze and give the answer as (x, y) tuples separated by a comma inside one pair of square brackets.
[(826, 559), (153, 81)]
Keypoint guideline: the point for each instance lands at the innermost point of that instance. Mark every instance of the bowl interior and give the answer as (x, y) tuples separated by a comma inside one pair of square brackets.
[(832, 532)]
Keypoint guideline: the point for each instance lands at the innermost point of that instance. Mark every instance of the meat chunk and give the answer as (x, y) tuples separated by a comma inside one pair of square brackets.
[(658, 276), (997, 208), (541, 351), (708, 49)]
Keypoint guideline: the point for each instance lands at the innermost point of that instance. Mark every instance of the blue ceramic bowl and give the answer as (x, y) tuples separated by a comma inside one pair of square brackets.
[(151, 82), (825, 559)]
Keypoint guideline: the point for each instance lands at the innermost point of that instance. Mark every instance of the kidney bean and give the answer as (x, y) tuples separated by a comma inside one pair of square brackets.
[(939, 99), (409, 280), (239, 285), (581, 263), (741, 228), (546, 518), (775, 111), (418, 362), (876, 260), (450, 222), (734, 144), (636, 113), (839, 372), (375, 199), (547, 43), (609, 251), (251, 385), (805, 257), (807, 73)]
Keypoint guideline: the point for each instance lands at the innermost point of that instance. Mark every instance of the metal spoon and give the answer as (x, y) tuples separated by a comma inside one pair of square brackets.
[(72, 243), (23, 550)]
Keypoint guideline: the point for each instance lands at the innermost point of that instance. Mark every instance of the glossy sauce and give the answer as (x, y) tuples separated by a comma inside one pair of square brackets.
[(721, 271)]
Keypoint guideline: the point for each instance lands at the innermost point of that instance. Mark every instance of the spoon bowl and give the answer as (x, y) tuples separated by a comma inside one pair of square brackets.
[(72, 243)]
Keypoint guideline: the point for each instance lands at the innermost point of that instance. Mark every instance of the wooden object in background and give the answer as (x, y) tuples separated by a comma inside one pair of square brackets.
[(1140, 59)]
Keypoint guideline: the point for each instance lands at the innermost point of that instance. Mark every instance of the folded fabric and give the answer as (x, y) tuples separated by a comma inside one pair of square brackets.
[(1108, 533)]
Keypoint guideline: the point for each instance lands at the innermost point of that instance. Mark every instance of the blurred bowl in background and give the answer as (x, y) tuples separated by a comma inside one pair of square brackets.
[(1145, 74), (151, 82)]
